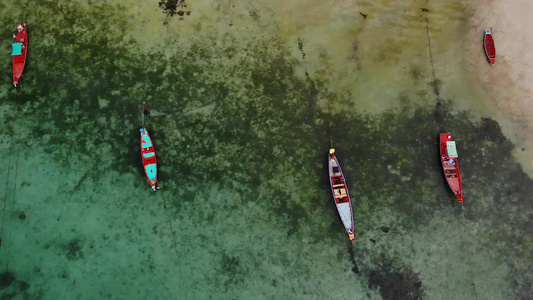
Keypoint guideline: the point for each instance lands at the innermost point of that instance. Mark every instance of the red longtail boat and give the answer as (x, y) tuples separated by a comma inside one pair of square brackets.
[(450, 165), (148, 156), (20, 51), (490, 49)]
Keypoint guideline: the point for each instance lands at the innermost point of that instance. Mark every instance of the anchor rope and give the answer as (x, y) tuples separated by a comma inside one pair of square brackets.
[(468, 250), (169, 223), (23, 12), (12, 206), (10, 230), (172, 232), (7, 184), (436, 90)]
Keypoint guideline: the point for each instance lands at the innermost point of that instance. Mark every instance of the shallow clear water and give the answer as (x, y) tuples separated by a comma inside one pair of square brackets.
[(244, 100)]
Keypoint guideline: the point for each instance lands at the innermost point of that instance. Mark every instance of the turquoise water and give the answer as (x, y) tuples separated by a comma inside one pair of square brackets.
[(244, 101)]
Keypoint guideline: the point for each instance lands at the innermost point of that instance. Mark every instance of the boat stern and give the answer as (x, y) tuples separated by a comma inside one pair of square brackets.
[(459, 196), (153, 184)]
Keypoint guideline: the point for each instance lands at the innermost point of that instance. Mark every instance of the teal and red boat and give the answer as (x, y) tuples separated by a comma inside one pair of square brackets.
[(148, 156), (488, 43), (450, 165), (20, 51), (340, 193)]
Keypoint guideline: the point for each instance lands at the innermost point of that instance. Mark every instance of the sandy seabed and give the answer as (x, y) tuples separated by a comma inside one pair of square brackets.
[(508, 83)]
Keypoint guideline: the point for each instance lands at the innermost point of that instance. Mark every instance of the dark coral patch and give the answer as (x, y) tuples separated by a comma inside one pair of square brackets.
[(74, 249), (174, 7), (6, 279), (396, 283)]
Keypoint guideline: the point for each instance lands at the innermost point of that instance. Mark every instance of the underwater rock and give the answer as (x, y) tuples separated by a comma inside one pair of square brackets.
[(23, 285), (394, 284), (6, 278), (174, 7), (355, 269)]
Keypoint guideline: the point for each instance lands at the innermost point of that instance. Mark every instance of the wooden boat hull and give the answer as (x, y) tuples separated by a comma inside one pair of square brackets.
[(490, 49), (19, 61), (149, 159), (450, 165), (340, 193)]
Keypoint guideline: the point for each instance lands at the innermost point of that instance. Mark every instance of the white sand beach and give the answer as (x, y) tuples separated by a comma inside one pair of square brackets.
[(509, 82)]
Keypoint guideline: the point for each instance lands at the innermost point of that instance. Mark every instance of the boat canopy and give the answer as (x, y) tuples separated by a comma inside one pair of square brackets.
[(17, 49), (451, 149)]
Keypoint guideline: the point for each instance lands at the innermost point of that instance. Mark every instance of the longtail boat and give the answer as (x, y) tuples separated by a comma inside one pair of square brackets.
[(340, 193), (450, 165), (148, 156), (490, 49), (20, 50)]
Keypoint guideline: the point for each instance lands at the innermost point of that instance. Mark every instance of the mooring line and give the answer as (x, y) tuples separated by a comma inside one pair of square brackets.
[(355, 268), (7, 188), (23, 12), (170, 224), (172, 232), (5, 202), (12, 207), (468, 251), (436, 90), (161, 280)]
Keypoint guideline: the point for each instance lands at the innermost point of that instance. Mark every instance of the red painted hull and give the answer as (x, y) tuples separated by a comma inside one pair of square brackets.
[(149, 158), (490, 49), (19, 61), (340, 193), (452, 173)]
